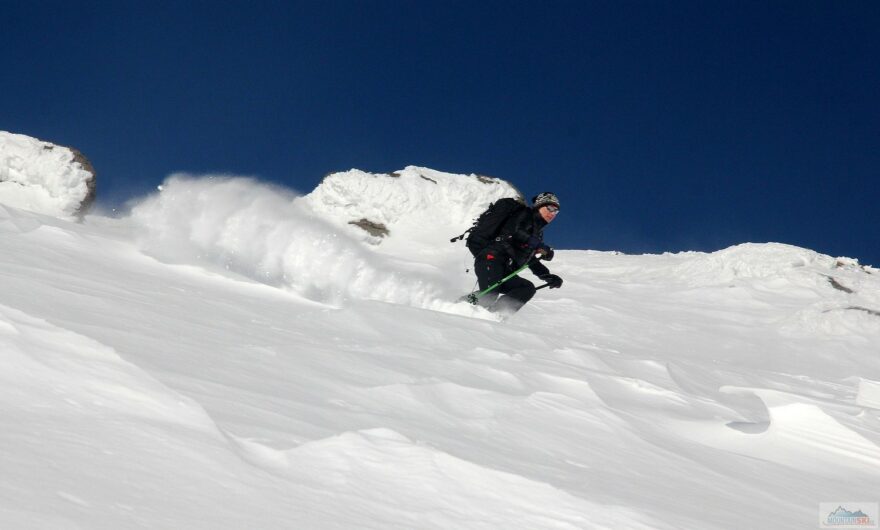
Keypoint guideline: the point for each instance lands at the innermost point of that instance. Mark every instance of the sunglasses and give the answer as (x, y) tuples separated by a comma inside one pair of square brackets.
[(552, 209)]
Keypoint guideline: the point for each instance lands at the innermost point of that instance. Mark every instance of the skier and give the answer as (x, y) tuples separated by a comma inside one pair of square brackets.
[(519, 241)]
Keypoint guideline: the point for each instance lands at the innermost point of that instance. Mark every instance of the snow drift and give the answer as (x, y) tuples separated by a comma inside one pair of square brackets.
[(43, 177)]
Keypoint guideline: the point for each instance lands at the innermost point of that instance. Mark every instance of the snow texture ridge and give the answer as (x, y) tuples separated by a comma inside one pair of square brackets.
[(423, 480), (42, 177)]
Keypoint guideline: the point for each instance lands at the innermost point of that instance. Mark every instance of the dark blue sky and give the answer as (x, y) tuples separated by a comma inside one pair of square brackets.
[(662, 126)]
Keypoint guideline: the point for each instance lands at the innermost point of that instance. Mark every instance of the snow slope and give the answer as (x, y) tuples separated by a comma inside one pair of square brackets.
[(234, 356)]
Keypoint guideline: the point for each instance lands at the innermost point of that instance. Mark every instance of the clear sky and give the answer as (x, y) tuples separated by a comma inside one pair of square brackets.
[(662, 126)]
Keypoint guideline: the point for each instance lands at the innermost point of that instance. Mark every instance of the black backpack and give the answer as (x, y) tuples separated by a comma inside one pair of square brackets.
[(489, 223)]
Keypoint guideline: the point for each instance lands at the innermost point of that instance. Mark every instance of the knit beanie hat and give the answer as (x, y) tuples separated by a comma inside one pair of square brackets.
[(545, 198)]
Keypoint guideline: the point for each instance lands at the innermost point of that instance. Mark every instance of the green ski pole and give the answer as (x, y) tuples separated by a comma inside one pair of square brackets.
[(473, 297)]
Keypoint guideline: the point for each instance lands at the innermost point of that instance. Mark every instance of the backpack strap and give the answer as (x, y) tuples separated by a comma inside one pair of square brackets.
[(463, 234)]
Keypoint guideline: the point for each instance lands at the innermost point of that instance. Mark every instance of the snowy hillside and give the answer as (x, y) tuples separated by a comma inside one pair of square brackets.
[(233, 356)]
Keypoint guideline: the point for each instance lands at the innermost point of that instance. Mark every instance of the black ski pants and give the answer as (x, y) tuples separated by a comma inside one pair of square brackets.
[(491, 268)]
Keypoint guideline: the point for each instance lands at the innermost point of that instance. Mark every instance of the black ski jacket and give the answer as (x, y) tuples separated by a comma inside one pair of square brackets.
[(512, 240)]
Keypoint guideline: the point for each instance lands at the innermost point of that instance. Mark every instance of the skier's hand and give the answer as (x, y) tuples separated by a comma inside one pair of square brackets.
[(553, 281), (539, 248)]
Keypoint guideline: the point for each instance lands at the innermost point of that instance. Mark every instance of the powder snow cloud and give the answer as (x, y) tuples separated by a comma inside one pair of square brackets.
[(268, 234)]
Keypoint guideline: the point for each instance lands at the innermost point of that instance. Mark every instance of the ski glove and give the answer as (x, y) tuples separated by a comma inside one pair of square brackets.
[(539, 247), (553, 281)]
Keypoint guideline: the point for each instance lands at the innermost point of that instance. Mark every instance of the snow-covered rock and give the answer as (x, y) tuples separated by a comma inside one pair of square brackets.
[(44, 177), (751, 260), (411, 202)]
